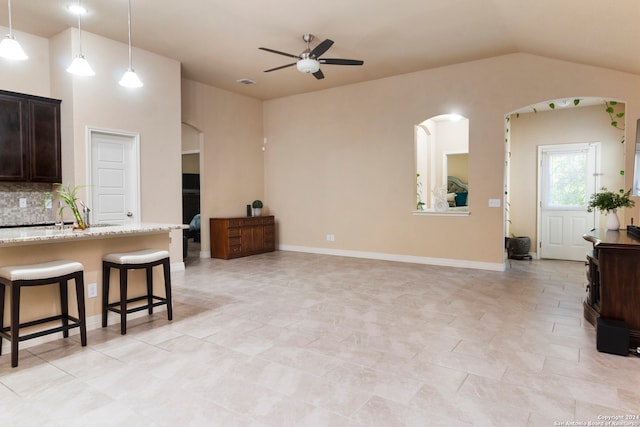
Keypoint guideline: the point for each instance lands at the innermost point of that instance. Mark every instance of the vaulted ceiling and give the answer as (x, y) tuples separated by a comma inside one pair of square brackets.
[(217, 41)]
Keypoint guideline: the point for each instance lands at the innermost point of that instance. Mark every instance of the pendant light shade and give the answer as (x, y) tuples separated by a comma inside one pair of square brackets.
[(9, 46), (130, 78), (80, 66)]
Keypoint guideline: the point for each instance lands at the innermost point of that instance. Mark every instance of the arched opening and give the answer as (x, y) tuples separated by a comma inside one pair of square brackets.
[(442, 178), (558, 153)]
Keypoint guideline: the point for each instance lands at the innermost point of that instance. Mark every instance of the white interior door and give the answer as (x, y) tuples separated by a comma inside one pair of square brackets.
[(567, 179), (113, 162)]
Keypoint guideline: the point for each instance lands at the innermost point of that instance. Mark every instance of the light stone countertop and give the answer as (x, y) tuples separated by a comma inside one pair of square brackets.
[(55, 234)]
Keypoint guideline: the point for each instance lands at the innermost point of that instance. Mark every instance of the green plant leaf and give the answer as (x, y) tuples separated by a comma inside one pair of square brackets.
[(614, 124), (552, 105), (622, 173), (613, 102), (610, 110), (576, 101), (535, 111), (620, 115)]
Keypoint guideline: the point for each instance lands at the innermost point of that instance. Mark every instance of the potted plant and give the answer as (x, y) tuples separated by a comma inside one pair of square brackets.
[(69, 195), (609, 202), (518, 247), (256, 208)]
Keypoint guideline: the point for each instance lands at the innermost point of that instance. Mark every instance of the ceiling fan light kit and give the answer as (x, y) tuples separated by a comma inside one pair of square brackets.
[(309, 60), (308, 66)]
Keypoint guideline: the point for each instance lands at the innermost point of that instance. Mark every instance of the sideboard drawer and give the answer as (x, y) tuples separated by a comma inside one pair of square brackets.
[(236, 237)]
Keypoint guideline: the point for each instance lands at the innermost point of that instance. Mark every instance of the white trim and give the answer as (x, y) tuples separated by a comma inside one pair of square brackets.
[(445, 262), (135, 137), (177, 266), (191, 151), (431, 212)]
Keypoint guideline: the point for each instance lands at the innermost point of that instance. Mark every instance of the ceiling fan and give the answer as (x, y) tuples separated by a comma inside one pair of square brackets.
[(309, 60)]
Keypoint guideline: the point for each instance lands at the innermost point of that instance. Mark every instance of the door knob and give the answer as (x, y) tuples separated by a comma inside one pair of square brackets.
[(130, 214)]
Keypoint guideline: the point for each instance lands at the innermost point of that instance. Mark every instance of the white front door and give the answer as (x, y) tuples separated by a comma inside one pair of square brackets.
[(567, 178), (114, 191)]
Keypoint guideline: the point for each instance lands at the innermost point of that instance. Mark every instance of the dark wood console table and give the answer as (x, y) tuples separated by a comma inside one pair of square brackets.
[(613, 275), (238, 237)]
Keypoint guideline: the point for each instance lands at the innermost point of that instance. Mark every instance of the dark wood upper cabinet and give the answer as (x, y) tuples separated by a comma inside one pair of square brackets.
[(30, 148)]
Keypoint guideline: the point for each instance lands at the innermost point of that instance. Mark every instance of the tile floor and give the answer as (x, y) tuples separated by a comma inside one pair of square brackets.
[(293, 339)]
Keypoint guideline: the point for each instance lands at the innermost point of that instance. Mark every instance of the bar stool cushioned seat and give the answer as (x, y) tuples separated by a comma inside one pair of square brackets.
[(47, 273), (125, 261)]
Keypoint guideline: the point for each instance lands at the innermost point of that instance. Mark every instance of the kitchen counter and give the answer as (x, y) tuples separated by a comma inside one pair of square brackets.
[(29, 245), (56, 234)]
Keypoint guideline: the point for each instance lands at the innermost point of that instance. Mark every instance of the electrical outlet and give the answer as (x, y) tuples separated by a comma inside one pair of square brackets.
[(92, 290), (47, 204), (331, 237), (494, 203), (23, 202)]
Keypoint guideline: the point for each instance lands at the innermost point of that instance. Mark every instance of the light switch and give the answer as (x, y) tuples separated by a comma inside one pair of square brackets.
[(494, 203), (23, 202)]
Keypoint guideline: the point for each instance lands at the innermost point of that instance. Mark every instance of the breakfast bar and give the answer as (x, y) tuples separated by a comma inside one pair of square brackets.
[(28, 245)]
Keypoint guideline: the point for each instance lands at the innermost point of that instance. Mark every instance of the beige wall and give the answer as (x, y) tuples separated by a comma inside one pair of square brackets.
[(30, 76), (153, 111), (231, 174), (340, 161), (562, 126)]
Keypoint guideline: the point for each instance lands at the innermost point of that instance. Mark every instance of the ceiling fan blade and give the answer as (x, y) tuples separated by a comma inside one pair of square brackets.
[(320, 49), (318, 75), (280, 67), (278, 52), (337, 61)]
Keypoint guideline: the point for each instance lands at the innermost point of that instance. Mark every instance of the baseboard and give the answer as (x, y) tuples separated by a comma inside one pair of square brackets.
[(177, 266), (445, 262)]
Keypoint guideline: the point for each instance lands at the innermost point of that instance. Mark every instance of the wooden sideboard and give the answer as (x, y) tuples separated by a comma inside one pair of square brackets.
[(613, 280), (238, 237)]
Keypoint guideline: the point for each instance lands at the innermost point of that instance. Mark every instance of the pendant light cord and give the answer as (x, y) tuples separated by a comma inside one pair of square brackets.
[(129, 28), (9, 3), (79, 32)]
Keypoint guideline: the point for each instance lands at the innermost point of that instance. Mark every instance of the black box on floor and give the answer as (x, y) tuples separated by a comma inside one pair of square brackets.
[(612, 336)]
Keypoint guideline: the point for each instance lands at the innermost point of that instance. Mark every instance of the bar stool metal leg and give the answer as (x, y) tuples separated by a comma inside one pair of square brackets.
[(106, 273), (124, 274), (166, 268), (64, 307), (15, 324), (79, 280), (150, 288)]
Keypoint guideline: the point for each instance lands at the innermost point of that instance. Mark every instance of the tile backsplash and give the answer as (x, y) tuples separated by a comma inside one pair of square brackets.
[(33, 195)]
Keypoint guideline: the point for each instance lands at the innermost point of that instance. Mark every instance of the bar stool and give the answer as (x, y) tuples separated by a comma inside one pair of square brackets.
[(123, 262), (47, 273)]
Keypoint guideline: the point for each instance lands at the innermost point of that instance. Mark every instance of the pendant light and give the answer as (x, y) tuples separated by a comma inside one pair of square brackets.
[(130, 78), (9, 46), (80, 66)]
